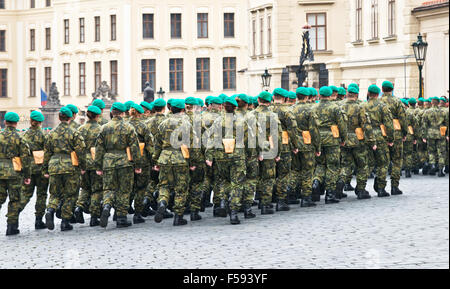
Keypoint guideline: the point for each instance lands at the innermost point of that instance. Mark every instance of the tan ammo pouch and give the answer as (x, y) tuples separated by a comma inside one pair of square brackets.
[(383, 130), (443, 130), (17, 164), (335, 131), (410, 129), (38, 157), (306, 137), (130, 157), (74, 158), (229, 145), (271, 144), (397, 125), (185, 151), (284, 137), (359, 133), (93, 153), (141, 147)]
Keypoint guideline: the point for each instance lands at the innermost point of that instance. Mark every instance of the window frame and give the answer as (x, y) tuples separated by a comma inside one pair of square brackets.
[(3, 82), (82, 78), (2, 4), (200, 22), (316, 27), (82, 28), (228, 24), (66, 70), (173, 24), (391, 18), (48, 38), (175, 74), (113, 27), (32, 39), (254, 35), (261, 36), (97, 74), (146, 75), (32, 82), (97, 29), (47, 78), (269, 33), (2, 40), (204, 85), (48, 3), (66, 31), (148, 25), (227, 69), (358, 20), (32, 4), (374, 19), (114, 76)]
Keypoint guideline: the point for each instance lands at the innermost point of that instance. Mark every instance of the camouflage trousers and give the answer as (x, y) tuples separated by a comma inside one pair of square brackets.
[(91, 195), (295, 178), (379, 158), (266, 181), (174, 179), (152, 185), (307, 162), (250, 181), (436, 151), (283, 180), (197, 186), (355, 157), (11, 188), (41, 184), (231, 177), (409, 155), (117, 188), (64, 190), (396, 158), (139, 191), (328, 167)]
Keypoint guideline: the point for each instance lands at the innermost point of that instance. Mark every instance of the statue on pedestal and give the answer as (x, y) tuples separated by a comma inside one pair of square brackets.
[(104, 91), (149, 93), (53, 96)]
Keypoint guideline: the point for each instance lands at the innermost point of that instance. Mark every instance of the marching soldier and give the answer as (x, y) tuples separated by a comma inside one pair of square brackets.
[(100, 104), (411, 138)]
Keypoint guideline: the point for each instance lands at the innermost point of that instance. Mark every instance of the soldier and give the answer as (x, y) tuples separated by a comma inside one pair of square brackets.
[(91, 184), (383, 134), (421, 146), (116, 154), (354, 150), (64, 152), (444, 106), (411, 138), (171, 156), (15, 164), (100, 104), (333, 133), (147, 110), (35, 139), (309, 142)]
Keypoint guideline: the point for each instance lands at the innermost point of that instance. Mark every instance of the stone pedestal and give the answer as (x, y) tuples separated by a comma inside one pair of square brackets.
[(50, 113)]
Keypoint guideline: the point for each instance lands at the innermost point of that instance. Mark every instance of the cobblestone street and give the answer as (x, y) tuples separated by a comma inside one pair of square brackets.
[(408, 231)]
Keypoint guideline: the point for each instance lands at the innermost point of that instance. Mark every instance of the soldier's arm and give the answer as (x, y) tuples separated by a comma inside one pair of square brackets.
[(314, 132), (25, 155), (80, 149), (100, 150), (158, 143), (292, 130), (48, 153), (342, 125), (387, 121), (402, 118), (133, 144)]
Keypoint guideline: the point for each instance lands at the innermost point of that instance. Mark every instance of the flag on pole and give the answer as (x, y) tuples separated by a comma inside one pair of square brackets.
[(43, 98)]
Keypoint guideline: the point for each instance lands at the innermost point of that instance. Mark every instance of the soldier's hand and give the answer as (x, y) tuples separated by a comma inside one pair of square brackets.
[(138, 171), (83, 172), (390, 144), (260, 158), (192, 168), (99, 173), (27, 181), (156, 168), (46, 176), (318, 154), (295, 151), (277, 159), (404, 139), (342, 144), (374, 147), (447, 138), (209, 163), (414, 142), (424, 140)]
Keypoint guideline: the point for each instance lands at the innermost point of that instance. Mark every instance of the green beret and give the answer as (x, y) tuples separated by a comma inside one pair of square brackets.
[(137, 107), (146, 105), (72, 107), (334, 88), (37, 116), (94, 109), (12, 117), (387, 84), (178, 103), (353, 88), (216, 100), (292, 95), (223, 96), (99, 103), (159, 102), (312, 91), (443, 99), (374, 89), (404, 101), (421, 99), (66, 111), (325, 91), (265, 95), (244, 98), (303, 91), (200, 102), (169, 102), (231, 100), (208, 99), (151, 105), (342, 91), (191, 101), (280, 91), (128, 105), (119, 106), (412, 100)]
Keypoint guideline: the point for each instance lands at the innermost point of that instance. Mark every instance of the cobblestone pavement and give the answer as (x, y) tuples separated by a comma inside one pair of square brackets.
[(408, 231)]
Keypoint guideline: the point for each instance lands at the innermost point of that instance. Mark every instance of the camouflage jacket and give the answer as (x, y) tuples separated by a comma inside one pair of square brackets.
[(411, 119), (35, 139), (89, 131), (153, 123), (379, 114), (397, 112), (102, 120), (11, 146), (307, 121), (328, 114), (356, 118), (251, 151), (144, 137), (288, 124), (196, 151), (75, 125), (433, 119), (112, 143), (265, 118), (61, 142)]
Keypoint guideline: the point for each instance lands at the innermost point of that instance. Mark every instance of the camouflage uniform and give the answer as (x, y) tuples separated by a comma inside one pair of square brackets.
[(408, 145), (421, 146), (12, 145), (433, 120), (35, 139), (102, 120)]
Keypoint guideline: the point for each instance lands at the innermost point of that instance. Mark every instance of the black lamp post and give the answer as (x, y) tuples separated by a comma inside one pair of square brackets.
[(306, 54), (266, 79), (161, 93), (420, 52)]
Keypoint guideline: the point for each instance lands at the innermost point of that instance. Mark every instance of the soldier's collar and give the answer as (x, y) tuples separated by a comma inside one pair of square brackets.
[(116, 118)]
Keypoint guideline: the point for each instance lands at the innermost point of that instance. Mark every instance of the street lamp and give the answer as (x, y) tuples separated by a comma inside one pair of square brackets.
[(160, 93), (306, 54), (420, 52), (266, 80)]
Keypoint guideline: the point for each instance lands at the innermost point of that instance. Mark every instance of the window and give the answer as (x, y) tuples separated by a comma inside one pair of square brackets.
[(229, 73), (202, 73), (48, 38), (32, 39), (176, 74), (358, 20), (374, 19), (2, 4), (66, 31), (175, 25), (82, 78), (202, 25), (269, 33), (254, 36), (82, 33), (48, 3), (147, 26), (66, 79), (148, 73), (113, 28), (391, 17), (3, 82), (32, 4), (97, 74), (97, 28), (261, 36), (318, 32), (114, 73), (48, 78), (32, 82), (2, 40), (228, 19)]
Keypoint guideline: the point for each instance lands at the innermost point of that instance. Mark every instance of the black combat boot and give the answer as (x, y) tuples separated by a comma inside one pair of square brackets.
[(65, 225), (382, 193), (340, 189), (407, 173), (315, 197), (131, 210), (362, 194), (221, 211), (167, 214), (105, 215), (433, 170), (49, 219), (348, 188), (395, 191), (94, 221), (415, 171), (425, 169), (316, 187), (307, 201), (146, 210), (375, 185), (115, 216), (371, 175), (12, 229), (255, 203), (330, 198), (137, 219), (179, 221), (78, 214), (38, 224), (441, 173), (292, 196), (282, 205), (59, 211), (446, 170), (195, 216), (122, 222), (72, 219), (159, 216), (266, 210), (248, 214), (234, 219)]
